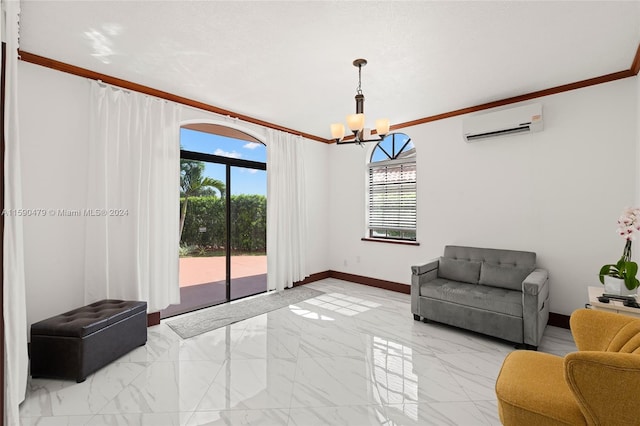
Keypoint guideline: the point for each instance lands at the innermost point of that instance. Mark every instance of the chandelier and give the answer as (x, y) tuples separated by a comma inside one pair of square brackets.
[(356, 121)]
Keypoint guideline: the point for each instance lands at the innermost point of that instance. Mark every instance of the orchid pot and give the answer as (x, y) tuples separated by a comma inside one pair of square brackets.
[(623, 273)]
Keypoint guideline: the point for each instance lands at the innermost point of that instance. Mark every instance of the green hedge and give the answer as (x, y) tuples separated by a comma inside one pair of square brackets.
[(248, 223)]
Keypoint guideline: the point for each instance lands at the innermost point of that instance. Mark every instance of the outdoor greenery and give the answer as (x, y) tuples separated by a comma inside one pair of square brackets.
[(203, 229), (204, 226), (193, 184)]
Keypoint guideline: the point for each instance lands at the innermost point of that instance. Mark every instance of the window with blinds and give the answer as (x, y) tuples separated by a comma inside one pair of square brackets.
[(392, 189)]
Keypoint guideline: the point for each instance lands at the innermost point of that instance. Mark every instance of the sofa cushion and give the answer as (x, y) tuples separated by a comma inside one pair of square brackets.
[(492, 299), (520, 259), (467, 271), (503, 276)]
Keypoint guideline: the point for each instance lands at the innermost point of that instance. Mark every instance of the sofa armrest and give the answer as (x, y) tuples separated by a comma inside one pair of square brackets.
[(535, 305), (424, 268), (605, 385), (421, 274), (534, 282)]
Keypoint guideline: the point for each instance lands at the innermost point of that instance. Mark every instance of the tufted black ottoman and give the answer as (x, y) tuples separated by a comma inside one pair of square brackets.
[(79, 342)]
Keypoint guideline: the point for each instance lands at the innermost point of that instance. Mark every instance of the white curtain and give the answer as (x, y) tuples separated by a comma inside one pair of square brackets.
[(134, 176), (14, 301), (286, 210)]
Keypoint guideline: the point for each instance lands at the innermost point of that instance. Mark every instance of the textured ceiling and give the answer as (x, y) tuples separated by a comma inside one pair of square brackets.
[(289, 62)]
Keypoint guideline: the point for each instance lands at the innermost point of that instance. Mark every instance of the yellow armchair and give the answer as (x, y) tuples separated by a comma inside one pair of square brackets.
[(598, 385)]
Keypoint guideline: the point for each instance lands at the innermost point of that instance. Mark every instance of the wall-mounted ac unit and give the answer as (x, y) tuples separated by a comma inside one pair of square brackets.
[(524, 119)]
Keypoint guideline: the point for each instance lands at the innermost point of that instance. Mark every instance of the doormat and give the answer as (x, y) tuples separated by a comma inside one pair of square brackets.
[(208, 319)]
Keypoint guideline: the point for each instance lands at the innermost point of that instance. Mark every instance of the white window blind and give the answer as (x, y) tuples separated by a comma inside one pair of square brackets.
[(392, 199)]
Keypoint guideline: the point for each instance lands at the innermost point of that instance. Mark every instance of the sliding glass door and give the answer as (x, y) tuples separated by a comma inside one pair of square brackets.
[(223, 223), (248, 223)]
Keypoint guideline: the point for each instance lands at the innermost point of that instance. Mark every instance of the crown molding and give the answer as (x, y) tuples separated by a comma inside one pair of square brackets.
[(129, 85), (635, 65), (528, 96), (633, 70)]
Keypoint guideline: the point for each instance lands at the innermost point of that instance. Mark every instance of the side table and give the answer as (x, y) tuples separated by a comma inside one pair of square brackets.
[(615, 306)]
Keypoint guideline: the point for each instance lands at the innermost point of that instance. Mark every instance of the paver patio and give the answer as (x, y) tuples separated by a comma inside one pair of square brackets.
[(203, 281), (202, 270)]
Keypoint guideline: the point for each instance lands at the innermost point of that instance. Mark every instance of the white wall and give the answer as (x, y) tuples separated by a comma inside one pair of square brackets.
[(637, 120), (54, 114), (317, 198), (54, 130), (558, 192)]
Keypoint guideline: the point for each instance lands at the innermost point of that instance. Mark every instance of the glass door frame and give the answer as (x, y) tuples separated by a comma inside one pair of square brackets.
[(228, 162)]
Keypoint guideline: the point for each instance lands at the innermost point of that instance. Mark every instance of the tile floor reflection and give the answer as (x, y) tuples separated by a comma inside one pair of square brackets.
[(353, 356)]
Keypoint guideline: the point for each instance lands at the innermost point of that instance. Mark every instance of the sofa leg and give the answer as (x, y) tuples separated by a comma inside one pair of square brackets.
[(526, 347), (416, 317)]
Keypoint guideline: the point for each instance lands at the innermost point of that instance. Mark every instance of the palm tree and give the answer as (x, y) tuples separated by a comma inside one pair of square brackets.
[(193, 184)]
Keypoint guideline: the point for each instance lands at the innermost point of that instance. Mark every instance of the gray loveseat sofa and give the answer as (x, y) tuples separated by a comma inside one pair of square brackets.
[(500, 293)]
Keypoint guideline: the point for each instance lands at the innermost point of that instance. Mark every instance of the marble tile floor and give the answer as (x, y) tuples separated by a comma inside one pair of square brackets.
[(353, 356)]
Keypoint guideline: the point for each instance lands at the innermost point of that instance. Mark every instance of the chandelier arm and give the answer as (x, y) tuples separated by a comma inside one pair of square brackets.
[(356, 141)]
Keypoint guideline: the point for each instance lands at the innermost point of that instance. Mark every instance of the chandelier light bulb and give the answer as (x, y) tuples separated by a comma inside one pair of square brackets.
[(337, 131), (382, 126), (355, 122)]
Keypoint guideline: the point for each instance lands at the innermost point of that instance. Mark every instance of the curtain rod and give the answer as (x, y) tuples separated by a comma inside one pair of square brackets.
[(125, 84)]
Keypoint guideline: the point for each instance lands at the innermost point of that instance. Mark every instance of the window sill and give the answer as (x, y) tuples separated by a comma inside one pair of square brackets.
[(388, 241)]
